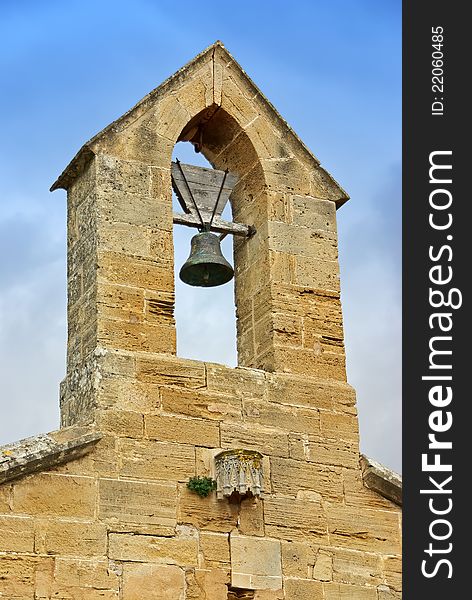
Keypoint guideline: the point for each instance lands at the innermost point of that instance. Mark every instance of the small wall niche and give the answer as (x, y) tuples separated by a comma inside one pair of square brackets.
[(239, 472)]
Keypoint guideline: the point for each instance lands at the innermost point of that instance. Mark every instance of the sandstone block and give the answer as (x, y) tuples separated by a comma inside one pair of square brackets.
[(239, 382), (316, 244), (317, 362), (298, 390), (143, 142), (310, 302), (240, 154), (160, 183), (162, 245), (117, 362), (288, 418), (128, 394), (303, 589), (251, 517), (159, 307), (16, 534), (73, 575), (237, 103), (116, 268), (200, 404), (214, 549), (156, 460), (279, 207), (202, 89), (126, 238), (268, 140), (170, 115), (339, 426), (324, 451), (357, 568), (317, 273), (249, 201), (323, 567), (269, 595), (200, 432), (153, 582), (73, 538), (298, 558), (266, 440), (162, 370), (205, 461), (136, 336), (289, 476), (24, 577), (149, 548), (289, 513), (103, 460), (203, 584), (83, 225), (340, 591), (132, 208), (255, 563), (122, 423), (392, 566), (141, 507), (323, 331), (5, 498), (314, 213), (288, 329), (282, 269), (114, 175), (287, 174), (58, 495), (120, 302), (262, 303), (82, 186), (367, 530), (323, 186), (206, 513)]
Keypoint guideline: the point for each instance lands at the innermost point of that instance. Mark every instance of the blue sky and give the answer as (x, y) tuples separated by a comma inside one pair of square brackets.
[(332, 69)]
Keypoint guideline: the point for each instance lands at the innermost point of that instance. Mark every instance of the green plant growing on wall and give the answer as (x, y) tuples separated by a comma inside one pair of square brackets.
[(201, 485)]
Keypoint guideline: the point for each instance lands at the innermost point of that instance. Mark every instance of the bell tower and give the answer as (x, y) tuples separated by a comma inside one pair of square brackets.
[(120, 257), (176, 479)]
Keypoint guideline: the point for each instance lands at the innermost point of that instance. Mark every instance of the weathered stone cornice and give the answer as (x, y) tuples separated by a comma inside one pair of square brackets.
[(44, 451), (385, 482)]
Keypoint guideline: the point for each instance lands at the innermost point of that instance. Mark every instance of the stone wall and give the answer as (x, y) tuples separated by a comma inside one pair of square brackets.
[(121, 523)]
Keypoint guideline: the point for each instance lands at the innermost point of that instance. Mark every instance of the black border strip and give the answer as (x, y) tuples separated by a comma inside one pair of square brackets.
[(442, 131)]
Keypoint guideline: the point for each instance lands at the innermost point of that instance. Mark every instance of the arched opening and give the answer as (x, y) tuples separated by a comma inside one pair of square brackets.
[(205, 317), (226, 145)]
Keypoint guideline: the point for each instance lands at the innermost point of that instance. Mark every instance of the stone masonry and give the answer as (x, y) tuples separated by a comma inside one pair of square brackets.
[(100, 509)]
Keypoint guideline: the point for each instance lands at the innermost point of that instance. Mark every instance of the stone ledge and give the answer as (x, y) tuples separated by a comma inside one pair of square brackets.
[(378, 478), (44, 451)]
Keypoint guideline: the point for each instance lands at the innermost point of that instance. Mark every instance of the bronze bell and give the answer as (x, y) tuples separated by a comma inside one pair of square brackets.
[(206, 266)]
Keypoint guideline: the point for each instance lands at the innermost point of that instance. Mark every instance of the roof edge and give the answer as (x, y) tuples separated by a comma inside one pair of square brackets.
[(344, 196), (87, 151), (45, 451), (382, 480)]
